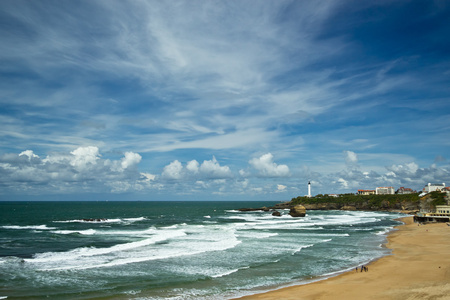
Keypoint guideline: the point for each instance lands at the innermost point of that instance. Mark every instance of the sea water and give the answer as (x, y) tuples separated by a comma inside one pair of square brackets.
[(176, 250)]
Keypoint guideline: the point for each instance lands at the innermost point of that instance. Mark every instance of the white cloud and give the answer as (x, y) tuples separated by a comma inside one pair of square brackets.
[(192, 166), (212, 169), (351, 159), (267, 168), (173, 170), (281, 188), (148, 177), (406, 169), (84, 157), (130, 160), (82, 169), (29, 154), (343, 183)]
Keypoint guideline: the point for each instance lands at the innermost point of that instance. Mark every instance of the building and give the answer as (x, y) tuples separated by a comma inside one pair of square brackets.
[(441, 214), (434, 187), (366, 192), (385, 190), (403, 191), (443, 210)]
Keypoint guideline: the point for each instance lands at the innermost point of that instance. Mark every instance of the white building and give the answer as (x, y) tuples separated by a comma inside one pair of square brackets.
[(385, 190), (433, 187), (403, 191), (366, 192), (443, 210)]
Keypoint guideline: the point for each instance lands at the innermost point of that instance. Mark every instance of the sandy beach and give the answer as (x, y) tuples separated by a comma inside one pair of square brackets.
[(419, 268)]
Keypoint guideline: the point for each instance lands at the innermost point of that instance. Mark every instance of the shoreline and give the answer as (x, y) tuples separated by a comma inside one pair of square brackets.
[(417, 268)]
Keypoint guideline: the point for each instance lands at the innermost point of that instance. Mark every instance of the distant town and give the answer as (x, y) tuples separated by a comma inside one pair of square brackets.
[(389, 190), (430, 187), (432, 204)]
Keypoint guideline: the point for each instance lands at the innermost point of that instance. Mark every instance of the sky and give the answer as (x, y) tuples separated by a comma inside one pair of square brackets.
[(221, 100)]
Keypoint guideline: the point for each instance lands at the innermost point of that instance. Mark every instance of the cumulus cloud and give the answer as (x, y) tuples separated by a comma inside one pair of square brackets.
[(212, 169), (29, 154), (84, 157), (209, 169), (130, 160), (173, 170), (267, 168), (83, 169), (192, 166)]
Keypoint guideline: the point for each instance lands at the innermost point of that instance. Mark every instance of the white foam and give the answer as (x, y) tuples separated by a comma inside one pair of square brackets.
[(83, 232), (91, 221), (300, 248), (102, 220), (191, 240), (226, 273), (385, 231), (256, 235), (92, 251), (135, 219), (35, 227)]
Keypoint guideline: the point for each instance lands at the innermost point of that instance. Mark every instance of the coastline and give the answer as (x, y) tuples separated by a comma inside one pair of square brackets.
[(418, 268)]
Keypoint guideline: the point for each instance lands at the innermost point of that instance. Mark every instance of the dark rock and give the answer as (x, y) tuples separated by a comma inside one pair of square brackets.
[(249, 209), (95, 220), (276, 213)]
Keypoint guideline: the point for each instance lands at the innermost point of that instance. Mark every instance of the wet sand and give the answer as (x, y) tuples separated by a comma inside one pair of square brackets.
[(419, 268)]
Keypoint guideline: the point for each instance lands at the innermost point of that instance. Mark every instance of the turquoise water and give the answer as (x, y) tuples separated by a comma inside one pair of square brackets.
[(175, 250)]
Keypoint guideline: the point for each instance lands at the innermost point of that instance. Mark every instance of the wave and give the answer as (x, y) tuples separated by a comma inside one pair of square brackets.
[(163, 244), (34, 227), (83, 232), (103, 220), (300, 248), (255, 235), (385, 231), (92, 251), (229, 272)]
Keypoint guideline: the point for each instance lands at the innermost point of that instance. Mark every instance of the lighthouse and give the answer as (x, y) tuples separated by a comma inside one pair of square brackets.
[(309, 189)]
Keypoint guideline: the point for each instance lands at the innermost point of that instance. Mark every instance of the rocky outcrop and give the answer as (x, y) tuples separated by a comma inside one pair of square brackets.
[(322, 206), (276, 213), (251, 209), (348, 207), (298, 211)]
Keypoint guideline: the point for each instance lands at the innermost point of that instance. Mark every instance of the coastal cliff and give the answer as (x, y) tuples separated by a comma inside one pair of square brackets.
[(410, 203)]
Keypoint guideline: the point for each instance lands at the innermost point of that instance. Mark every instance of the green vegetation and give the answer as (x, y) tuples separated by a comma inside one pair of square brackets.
[(362, 201), (438, 198)]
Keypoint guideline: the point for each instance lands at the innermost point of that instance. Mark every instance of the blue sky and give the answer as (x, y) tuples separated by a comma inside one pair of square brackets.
[(221, 100)]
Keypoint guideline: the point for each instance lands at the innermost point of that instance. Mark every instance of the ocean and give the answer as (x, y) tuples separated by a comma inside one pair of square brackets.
[(176, 250)]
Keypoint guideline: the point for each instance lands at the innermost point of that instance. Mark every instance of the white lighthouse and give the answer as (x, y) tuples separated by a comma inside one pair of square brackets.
[(309, 189)]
